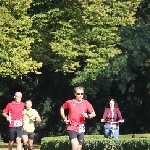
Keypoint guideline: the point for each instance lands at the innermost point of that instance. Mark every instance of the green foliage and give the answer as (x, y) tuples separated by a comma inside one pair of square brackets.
[(99, 44), (44, 109), (97, 142), (136, 51), (143, 12), (82, 38), (15, 42), (100, 71), (84, 32)]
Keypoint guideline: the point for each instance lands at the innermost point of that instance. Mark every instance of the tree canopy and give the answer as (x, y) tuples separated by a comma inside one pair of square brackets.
[(15, 39)]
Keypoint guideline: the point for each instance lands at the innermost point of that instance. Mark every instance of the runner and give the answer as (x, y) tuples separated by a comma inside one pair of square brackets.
[(30, 116), (13, 112), (79, 109)]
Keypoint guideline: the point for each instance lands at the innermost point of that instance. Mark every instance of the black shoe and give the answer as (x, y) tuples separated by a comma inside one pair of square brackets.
[(25, 147)]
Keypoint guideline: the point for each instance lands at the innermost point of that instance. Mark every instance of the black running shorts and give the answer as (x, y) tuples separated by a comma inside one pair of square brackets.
[(15, 132), (29, 134), (79, 136)]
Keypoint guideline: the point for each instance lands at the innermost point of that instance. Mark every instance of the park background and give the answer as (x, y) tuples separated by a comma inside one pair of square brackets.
[(49, 47)]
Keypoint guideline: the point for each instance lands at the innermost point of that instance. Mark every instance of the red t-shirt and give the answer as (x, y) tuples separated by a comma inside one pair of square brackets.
[(75, 113), (15, 110)]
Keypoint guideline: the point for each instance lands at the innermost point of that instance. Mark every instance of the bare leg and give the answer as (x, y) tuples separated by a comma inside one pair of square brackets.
[(75, 144), (30, 142), (10, 145), (25, 141), (19, 145), (79, 147)]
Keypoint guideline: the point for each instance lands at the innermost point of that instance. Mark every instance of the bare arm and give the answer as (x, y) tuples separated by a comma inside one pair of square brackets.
[(38, 119), (89, 116), (62, 113), (5, 113), (7, 116), (92, 115)]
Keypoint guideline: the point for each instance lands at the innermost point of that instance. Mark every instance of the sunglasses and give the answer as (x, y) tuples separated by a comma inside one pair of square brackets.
[(79, 93)]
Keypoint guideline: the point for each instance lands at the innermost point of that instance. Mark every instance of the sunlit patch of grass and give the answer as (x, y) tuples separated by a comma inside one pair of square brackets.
[(4, 146)]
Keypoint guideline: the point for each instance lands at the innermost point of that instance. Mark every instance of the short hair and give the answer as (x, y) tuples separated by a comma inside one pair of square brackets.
[(78, 87), (18, 93), (28, 100)]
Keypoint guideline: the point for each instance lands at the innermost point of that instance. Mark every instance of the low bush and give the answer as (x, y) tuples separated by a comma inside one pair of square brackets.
[(98, 142)]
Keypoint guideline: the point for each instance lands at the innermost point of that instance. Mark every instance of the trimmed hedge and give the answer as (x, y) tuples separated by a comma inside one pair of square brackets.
[(97, 142)]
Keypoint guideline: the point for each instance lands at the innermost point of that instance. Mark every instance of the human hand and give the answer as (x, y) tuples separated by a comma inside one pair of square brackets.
[(8, 118), (66, 120), (85, 115), (102, 120), (33, 118), (121, 121)]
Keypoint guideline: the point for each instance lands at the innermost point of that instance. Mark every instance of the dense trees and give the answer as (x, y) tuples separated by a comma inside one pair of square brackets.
[(15, 39), (101, 45)]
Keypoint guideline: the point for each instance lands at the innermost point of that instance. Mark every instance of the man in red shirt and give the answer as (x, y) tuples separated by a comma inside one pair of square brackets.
[(13, 112), (79, 109)]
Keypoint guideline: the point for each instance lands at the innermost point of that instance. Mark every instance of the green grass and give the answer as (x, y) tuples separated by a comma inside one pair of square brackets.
[(135, 136), (3, 146)]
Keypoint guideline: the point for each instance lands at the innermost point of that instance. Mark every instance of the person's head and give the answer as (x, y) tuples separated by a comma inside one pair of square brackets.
[(111, 104), (28, 104), (18, 97), (79, 92)]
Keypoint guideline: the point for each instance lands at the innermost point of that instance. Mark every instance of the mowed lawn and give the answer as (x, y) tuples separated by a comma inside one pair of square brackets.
[(4, 146), (15, 149)]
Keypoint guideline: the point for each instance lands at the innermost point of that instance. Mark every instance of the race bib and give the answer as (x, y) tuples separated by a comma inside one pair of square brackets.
[(81, 128), (17, 123)]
